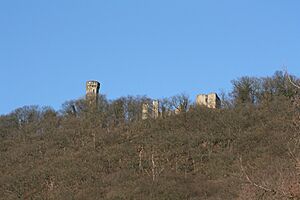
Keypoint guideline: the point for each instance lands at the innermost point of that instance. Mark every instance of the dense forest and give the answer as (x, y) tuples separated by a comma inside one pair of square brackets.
[(248, 149)]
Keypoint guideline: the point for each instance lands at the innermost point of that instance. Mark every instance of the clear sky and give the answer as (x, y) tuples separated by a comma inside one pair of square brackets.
[(158, 48)]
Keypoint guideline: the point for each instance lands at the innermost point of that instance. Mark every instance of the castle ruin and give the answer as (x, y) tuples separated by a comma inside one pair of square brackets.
[(145, 110), (92, 91), (208, 100), (154, 110)]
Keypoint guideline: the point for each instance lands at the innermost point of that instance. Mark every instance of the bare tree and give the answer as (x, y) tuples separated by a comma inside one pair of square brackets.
[(180, 102), (291, 79)]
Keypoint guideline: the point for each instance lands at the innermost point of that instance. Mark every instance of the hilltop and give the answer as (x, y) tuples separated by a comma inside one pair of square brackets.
[(248, 149)]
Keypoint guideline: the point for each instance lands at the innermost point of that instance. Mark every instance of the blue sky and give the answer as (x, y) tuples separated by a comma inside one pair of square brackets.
[(158, 48)]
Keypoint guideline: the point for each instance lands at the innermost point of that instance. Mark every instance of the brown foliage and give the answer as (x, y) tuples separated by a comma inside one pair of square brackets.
[(242, 152)]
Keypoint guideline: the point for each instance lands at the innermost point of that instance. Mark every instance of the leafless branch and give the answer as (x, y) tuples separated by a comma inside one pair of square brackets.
[(250, 181), (282, 193), (153, 167), (290, 80), (140, 158)]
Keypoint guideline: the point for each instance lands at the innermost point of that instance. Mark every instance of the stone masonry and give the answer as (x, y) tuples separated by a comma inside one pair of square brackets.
[(208, 100), (155, 109), (92, 91), (145, 108)]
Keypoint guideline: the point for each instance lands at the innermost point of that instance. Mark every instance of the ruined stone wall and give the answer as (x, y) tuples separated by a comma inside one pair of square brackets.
[(155, 109), (150, 110), (213, 101), (145, 110), (208, 100), (201, 100)]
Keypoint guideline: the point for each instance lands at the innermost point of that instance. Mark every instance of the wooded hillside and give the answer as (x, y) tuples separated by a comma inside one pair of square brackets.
[(249, 149)]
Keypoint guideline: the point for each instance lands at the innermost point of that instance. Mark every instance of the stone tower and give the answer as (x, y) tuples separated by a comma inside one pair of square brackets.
[(145, 109), (150, 111), (209, 100), (92, 91), (155, 109)]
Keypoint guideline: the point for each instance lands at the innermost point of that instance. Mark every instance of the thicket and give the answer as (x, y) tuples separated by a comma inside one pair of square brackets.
[(249, 149)]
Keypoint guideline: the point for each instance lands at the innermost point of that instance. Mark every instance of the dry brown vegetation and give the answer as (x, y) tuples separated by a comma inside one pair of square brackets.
[(249, 149)]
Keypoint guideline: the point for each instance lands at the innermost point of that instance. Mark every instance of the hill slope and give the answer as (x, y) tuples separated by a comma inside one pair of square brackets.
[(246, 152)]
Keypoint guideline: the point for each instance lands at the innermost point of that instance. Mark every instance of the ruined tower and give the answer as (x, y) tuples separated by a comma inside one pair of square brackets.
[(145, 108), (149, 110), (209, 100), (92, 91), (155, 109)]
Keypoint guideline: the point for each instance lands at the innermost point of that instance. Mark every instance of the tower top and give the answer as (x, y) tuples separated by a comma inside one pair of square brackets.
[(92, 87)]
